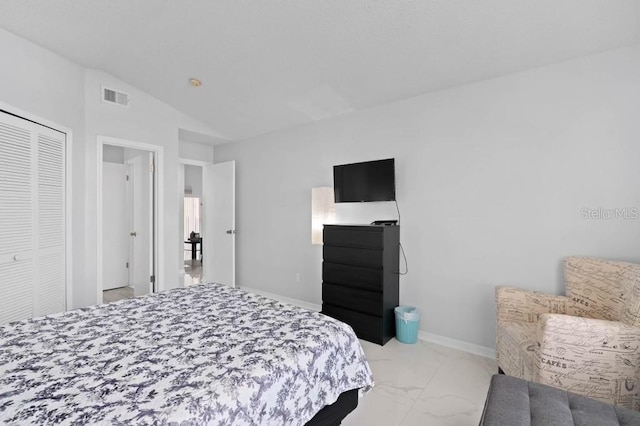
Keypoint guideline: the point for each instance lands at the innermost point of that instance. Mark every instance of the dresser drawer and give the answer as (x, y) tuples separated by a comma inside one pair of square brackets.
[(352, 276), (346, 236), (367, 302), (353, 256), (368, 327)]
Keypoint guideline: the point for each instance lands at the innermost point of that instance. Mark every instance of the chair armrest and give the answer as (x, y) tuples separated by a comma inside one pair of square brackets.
[(514, 304), (592, 357)]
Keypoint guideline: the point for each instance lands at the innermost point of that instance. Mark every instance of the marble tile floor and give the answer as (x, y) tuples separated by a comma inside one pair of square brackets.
[(192, 272), (193, 275), (423, 384), (117, 294)]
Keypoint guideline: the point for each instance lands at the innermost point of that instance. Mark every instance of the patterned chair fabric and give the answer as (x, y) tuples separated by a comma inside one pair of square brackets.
[(587, 342)]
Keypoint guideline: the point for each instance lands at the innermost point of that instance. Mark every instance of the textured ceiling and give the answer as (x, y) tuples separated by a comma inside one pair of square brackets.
[(268, 64)]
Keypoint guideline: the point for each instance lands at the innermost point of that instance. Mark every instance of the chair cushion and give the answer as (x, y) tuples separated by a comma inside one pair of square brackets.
[(604, 289), (515, 402), (515, 350)]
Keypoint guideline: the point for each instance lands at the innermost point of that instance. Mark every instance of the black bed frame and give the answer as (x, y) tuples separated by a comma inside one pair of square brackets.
[(332, 415)]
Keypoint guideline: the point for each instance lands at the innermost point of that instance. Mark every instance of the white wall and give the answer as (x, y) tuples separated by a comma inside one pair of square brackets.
[(491, 180), (149, 121), (39, 82), (195, 151), (42, 83), (193, 180), (113, 154)]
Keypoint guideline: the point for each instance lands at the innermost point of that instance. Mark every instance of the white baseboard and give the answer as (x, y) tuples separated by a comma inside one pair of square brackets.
[(457, 344), (289, 300), (422, 335)]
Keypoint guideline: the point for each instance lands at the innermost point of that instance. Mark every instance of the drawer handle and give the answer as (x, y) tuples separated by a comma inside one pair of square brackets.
[(19, 257)]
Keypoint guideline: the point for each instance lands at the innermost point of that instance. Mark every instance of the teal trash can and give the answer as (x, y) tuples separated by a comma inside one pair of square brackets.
[(407, 321)]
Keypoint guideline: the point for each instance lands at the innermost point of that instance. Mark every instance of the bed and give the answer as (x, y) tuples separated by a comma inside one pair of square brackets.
[(206, 354)]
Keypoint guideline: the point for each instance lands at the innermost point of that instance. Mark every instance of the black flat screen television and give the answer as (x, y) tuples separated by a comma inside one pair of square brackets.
[(363, 182)]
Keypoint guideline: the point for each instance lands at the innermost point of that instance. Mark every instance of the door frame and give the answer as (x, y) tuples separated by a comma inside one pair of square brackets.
[(158, 226), (68, 169), (183, 162)]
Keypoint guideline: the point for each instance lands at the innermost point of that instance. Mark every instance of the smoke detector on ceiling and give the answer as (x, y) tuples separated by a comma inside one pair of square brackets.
[(115, 97)]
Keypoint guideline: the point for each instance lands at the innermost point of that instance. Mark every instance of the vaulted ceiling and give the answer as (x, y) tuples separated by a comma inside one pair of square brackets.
[(272, 64)]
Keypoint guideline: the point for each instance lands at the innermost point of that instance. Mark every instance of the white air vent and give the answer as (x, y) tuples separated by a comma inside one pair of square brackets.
[(115, 97)]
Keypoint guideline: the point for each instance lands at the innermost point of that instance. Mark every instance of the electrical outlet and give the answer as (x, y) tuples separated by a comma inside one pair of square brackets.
[(297, 277)]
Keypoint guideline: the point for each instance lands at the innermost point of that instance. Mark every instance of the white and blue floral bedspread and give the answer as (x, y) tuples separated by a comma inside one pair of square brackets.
[(207, 354)]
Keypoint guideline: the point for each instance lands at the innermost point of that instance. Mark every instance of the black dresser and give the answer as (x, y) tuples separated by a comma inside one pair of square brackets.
[(360, 278)]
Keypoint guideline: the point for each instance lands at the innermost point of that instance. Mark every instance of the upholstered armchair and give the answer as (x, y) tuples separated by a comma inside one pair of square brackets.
[(586, 342)]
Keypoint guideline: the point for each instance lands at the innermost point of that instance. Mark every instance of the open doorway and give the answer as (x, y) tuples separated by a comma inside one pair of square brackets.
[(128, 238), (192, 224), (208, 255)]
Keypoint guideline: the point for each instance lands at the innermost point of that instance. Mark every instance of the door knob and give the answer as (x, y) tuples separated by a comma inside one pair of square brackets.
[(133, 234), (231, 231)]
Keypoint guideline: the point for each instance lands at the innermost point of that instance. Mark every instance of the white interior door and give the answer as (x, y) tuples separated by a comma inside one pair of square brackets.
[(115, 227), (219, 223), (141, 233)]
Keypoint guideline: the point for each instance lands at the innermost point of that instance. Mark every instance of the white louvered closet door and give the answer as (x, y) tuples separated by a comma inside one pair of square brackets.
[(32, 220)]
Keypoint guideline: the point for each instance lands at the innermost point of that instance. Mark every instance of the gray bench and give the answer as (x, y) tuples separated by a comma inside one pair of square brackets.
[(516, 402)]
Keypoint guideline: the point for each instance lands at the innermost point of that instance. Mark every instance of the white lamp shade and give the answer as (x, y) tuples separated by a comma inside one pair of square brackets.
[(323, 211)]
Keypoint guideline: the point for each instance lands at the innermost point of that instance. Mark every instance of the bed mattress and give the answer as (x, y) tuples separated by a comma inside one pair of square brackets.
[(207, 354)]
